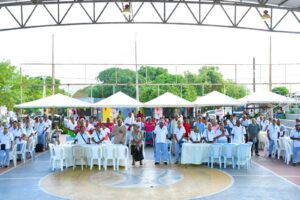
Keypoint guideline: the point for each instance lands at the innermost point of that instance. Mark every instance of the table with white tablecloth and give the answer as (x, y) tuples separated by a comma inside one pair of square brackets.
[(87, 153), (194, 153)]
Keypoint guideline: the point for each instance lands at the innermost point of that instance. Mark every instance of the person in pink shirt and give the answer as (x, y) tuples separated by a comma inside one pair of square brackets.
[(149, 128)]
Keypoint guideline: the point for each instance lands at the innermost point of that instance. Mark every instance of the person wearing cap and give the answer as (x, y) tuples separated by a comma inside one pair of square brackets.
[(119, 132), (6, 143), (295, 136), (136, 142), (273, 132), (82, 137), (160, 137), (179, 133)]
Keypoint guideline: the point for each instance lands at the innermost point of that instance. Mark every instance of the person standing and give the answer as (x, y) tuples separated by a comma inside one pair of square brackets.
[(238, 133), (245, 123), (160, 137), (128, 123), (273, 132), (295, 136), (6, 143), (179, 133), (253, 130), (119, 132)]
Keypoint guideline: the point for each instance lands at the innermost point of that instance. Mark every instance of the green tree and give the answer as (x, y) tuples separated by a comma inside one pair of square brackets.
[(281, 90), (235, 90)]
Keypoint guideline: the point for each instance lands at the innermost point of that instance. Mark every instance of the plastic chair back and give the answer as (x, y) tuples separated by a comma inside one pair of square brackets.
[(78, 152), (109, 152), (243, 152), (215, 150), (227, 150), (96, 152), (122, 152)]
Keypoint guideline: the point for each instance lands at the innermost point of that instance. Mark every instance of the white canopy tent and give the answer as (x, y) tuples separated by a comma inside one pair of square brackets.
[(216, 99), (55, 101), (168, 100), (118, 100), (264, 97)]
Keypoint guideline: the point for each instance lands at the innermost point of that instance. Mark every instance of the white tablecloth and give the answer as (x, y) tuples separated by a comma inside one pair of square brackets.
[(86, 148), (194, 153)]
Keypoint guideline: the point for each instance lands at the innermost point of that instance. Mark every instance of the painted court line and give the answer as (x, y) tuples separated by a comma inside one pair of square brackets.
[(283, 178)]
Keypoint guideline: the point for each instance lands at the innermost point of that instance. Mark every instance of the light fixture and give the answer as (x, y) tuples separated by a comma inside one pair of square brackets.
[(127, 10), (265, 16)]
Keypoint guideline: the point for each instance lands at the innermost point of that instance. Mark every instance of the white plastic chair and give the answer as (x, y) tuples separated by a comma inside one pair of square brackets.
[(21, 152), (78, 154), (228, 153), (243, 155), (51, 146), (265, 141), (96, 154), (14, 155), (109, 153), (280, 149), (214, 152), (59, 156), (30, 149), (122, 154), (288, 151)]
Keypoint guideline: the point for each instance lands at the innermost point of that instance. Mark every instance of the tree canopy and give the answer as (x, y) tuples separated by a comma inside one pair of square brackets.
[(281, 90), (32, 87), (209, 78)]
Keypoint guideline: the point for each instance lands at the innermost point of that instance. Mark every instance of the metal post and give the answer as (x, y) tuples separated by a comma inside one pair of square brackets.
[(53, 67), (285, 73), (253, 74), (136, 70), (270, 67), (21, 85), (181, 91), (158, 90), (235, 73)]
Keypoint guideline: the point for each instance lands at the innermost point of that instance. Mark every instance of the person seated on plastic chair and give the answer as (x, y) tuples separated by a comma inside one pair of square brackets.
[(209, 134), (222, 135), (96, 136), (82, 137), (136, 142), (195, 136), (179, 133), (6, 143), (55, 134)]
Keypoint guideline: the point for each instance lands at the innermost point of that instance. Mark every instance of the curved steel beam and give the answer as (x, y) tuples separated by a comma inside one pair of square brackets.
[(198, 12)]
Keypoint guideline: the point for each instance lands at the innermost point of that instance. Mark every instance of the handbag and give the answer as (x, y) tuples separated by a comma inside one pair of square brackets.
[(3, 147)]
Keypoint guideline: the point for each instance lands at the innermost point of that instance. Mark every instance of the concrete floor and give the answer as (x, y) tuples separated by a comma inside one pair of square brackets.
[(24, 182)]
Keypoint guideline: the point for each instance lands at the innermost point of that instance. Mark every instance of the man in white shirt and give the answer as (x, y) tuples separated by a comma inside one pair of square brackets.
[(295, 136), (48, 125), (105, 132), (273, 132), (178, 135), (160, 136), (245, 123), (6, 142), (209, 134), (96, 136), (128, 123), (195, 135), (264, 124), (238, 133), (41, 132), (82, 137)]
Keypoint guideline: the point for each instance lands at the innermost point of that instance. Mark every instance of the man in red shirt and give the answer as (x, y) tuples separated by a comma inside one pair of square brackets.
[(139, 114)]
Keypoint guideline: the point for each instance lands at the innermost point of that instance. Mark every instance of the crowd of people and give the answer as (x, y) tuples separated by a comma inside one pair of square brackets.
[(136, 131)]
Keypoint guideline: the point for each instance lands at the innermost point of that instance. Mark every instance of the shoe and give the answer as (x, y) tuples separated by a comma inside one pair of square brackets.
[(257, 154), (294, 164), (156, 163), (165, 163), (19, 159), (176, 162), (5, 166), (133, 163), (270, 156), (141, 162)]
